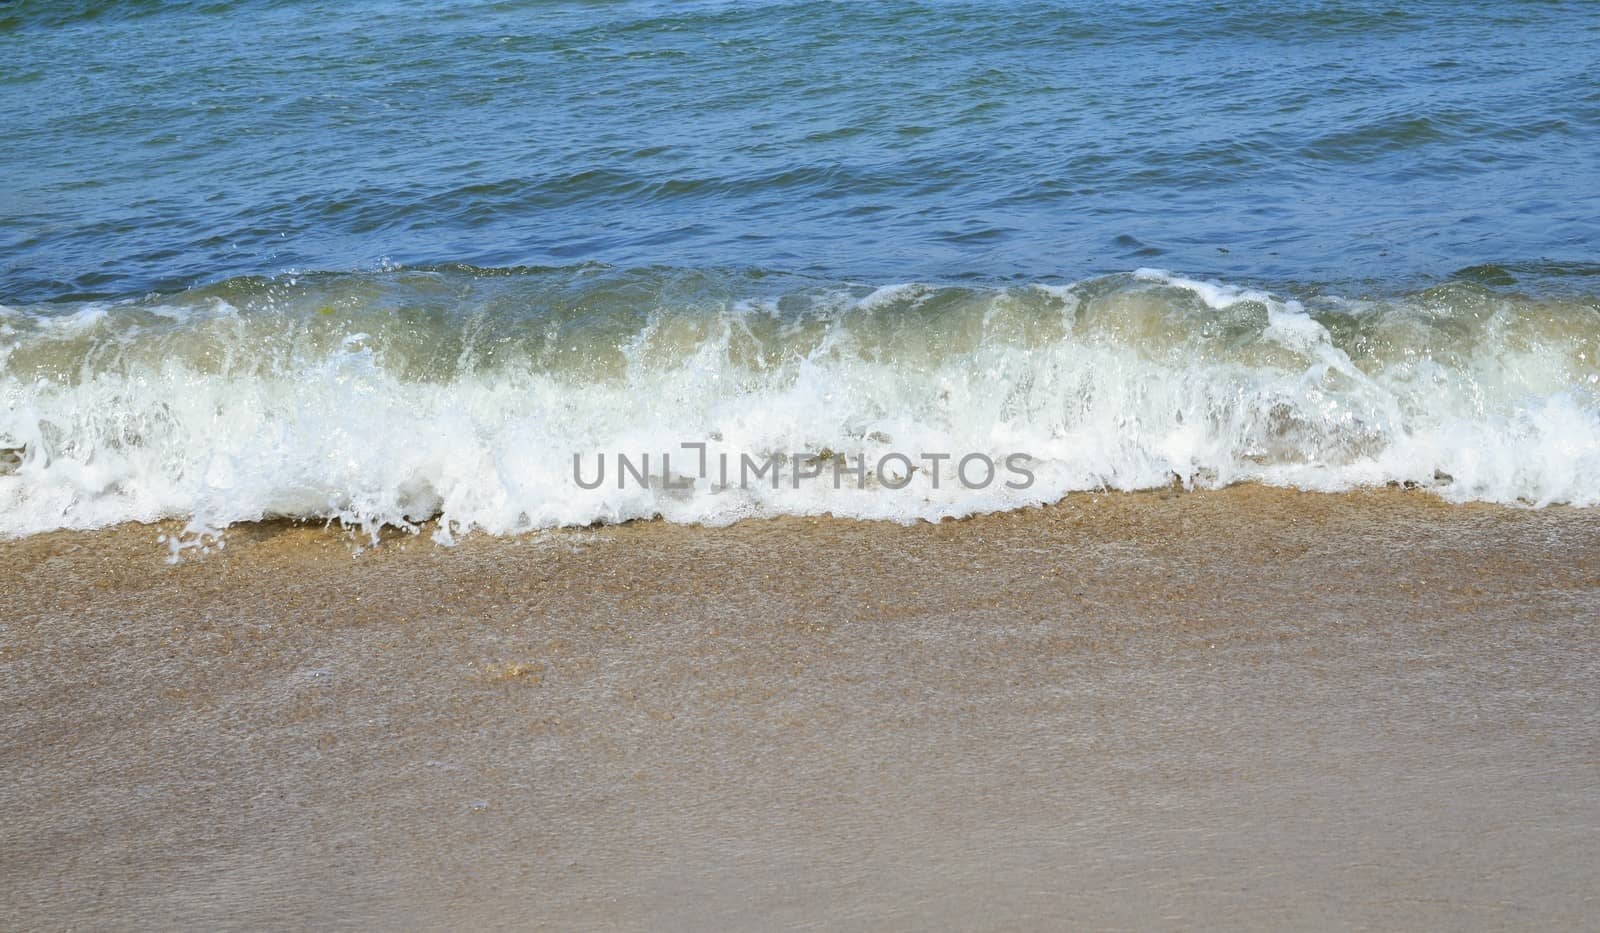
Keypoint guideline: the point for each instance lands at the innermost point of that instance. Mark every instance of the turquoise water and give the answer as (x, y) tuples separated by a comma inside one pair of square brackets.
[(154, 146), (386, 262)]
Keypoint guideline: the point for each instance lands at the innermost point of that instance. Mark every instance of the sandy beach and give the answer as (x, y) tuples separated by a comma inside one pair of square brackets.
[(1250, 707)]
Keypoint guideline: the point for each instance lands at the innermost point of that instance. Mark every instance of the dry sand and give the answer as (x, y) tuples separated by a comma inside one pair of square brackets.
[(1251, 707)]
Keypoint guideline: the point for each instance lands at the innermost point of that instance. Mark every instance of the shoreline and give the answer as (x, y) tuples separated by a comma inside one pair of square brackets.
[(1250, 706)]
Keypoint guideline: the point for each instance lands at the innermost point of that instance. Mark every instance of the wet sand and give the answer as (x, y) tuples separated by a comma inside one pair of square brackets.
[(1252, 707)]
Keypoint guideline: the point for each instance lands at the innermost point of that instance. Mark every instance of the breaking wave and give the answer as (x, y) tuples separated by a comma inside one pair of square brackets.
[(388, 398)]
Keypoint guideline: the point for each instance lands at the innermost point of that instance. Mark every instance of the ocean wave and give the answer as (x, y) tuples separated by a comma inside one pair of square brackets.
[(388, 398)]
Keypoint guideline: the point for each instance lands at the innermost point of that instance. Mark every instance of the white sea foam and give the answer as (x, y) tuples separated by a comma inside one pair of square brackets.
[(220, 415)]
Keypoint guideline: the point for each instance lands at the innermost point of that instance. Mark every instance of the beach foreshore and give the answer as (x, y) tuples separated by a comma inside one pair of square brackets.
[(1251, 707)]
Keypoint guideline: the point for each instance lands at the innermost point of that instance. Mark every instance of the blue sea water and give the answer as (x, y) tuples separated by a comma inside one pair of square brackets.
[(385, 261), (157, 145)]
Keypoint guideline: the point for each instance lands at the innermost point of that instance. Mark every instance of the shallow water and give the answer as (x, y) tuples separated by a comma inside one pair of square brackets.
[(1251, 709)]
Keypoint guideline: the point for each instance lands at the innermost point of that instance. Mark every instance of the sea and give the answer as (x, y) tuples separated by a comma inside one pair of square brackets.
[(504, 266)]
